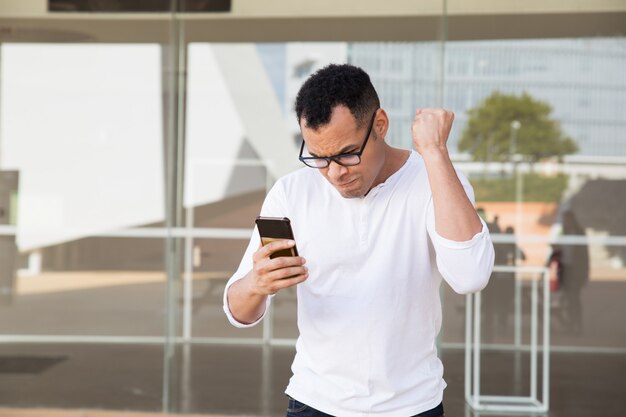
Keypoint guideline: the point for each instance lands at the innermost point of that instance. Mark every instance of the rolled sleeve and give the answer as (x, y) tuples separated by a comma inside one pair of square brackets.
[(272, 206), (244, 267), (467, 265), (233, 320)]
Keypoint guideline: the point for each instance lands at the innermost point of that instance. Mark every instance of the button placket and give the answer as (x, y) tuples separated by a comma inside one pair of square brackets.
[(363, 223)]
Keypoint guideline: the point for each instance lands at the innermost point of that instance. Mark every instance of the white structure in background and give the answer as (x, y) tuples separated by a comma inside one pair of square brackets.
[(83, 126), (234, 123)]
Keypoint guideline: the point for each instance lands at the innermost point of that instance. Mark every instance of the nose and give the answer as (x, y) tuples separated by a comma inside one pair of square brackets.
[(336, 171)]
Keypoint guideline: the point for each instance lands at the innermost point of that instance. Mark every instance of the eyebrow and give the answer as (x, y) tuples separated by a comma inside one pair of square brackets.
[(343, 150)]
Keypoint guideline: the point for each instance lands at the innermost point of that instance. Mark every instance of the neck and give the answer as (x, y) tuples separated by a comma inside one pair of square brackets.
[(394, 160)]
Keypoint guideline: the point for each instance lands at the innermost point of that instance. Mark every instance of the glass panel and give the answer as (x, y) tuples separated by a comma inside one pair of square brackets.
[(82, 216), (81, 135), (536, 189), (81, 376), (241, 135), (89, 133), (520, 105)]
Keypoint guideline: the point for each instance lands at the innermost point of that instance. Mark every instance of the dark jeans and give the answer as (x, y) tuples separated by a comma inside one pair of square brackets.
[(298, 409)]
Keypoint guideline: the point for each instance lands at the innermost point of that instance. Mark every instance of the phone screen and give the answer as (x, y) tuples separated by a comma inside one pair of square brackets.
[(276, 228)]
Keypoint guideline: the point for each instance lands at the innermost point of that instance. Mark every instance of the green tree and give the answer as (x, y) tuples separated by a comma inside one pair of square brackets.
[(491, 130)]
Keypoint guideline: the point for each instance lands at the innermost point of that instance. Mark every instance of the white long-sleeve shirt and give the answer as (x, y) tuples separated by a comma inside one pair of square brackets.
[(369, 313)]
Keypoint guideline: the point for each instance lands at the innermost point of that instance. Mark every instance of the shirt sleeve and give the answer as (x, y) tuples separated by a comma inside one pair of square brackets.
[(465, 265), (273, 206)]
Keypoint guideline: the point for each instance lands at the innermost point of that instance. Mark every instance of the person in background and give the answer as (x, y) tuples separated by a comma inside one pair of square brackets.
[(574, 272), (497, 298)]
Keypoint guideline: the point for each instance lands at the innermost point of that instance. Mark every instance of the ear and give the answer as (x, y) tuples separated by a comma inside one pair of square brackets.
[(381, 124)]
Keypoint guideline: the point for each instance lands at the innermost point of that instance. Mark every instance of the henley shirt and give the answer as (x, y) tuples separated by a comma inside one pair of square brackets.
[(369, 312)]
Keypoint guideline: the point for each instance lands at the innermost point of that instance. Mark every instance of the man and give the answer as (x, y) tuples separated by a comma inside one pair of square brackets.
[(378, 228)]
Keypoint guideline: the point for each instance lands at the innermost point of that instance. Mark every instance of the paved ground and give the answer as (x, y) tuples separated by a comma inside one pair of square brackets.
[(4, 412), (250, 380)]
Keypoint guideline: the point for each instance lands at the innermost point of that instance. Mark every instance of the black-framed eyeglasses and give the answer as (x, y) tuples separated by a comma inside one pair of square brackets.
[(346, 159)]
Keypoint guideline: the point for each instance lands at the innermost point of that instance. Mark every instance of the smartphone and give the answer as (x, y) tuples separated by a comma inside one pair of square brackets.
[(276, 228)]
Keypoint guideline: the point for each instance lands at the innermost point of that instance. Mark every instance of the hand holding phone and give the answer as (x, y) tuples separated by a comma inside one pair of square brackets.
[(276, 228), (277, 264)]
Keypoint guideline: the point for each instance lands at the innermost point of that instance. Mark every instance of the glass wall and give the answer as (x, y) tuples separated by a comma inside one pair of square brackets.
[(539, 132), (86, 132), (132, 172), (82, 163)]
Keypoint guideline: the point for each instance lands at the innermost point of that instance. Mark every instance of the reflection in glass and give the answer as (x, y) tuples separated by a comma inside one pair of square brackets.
[(81, 131)]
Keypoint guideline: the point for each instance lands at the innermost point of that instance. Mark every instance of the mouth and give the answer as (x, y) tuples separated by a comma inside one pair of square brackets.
[(346, 184)]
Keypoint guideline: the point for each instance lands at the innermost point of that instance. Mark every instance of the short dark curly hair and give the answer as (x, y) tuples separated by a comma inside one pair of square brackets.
[(332, 86)]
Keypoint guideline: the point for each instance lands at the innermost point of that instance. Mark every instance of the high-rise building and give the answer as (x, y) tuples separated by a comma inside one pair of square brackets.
[(582, 79)]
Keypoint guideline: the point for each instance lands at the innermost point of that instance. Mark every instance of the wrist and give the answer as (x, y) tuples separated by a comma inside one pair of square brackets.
[(435, 154), (252, 290)]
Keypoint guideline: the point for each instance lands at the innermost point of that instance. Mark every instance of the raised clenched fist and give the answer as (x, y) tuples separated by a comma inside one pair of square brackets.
[(430, 129)]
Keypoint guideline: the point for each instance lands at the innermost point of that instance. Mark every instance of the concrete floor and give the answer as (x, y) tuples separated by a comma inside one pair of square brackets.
[(85, 379), (249, 380), (5, 412)]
